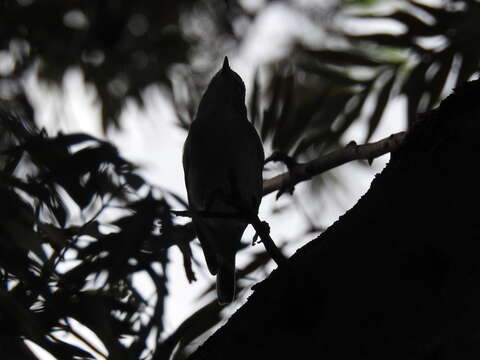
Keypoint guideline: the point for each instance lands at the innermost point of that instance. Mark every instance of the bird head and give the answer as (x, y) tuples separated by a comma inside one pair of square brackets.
[(225, 89)]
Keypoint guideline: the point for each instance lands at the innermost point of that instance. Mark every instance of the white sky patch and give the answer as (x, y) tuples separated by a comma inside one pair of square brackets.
[(274, 32)]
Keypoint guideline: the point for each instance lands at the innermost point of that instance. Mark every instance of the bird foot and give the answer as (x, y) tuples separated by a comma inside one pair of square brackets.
[(264, 229), (279, 156), (290, 163)]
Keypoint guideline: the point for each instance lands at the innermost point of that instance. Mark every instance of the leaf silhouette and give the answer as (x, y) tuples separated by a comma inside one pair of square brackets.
[(382, 100)]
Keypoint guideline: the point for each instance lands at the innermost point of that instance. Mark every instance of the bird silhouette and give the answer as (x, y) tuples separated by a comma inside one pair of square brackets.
[(223, 161)]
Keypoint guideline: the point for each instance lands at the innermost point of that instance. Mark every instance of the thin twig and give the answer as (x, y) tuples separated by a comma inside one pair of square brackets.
[(211, 214), (306, 171)]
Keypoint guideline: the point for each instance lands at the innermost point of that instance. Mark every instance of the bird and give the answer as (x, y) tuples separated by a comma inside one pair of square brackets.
[(223, 161)]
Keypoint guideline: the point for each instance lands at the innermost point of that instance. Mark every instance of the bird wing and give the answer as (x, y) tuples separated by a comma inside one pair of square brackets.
[(246, 167), (194, 201)]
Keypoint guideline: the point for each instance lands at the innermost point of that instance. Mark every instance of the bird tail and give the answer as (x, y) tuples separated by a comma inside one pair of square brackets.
[(226, 281)]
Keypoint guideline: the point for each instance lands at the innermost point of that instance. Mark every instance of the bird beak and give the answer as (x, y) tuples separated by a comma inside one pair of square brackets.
[(225, 66)]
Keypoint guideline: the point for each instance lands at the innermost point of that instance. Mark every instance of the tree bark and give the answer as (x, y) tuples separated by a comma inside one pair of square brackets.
[(397, 276)]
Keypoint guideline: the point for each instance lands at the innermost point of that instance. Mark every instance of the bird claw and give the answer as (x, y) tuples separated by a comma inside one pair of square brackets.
[(265, 230), (290, 163), (279, 156), (286, 189)]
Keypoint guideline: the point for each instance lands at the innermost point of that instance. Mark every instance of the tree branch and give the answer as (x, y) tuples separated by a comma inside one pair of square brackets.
[(352, 151)]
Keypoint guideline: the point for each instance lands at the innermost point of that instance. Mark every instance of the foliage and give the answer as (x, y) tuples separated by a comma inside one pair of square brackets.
[(310, 108), (55, 267)]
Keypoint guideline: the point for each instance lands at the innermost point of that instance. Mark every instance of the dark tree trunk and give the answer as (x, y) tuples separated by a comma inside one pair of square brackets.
[(397, 276)]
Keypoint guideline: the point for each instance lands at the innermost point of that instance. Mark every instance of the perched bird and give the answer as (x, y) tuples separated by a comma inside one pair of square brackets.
[(223, 162)]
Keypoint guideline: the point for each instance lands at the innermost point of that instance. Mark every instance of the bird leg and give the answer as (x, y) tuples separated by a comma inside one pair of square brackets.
[(263, 231)]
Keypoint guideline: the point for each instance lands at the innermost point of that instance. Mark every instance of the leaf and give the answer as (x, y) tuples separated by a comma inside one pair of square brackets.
[(470, 64), (258, 261), (58, 208), (197, 324), (73, 139), (440, 15), (311, 140), (438, 82), (337, 77), (270, 113), (320, 129), (18, 230), (161, 291), (23, 322), (91, 158), (255, 99), (90, 228), (415, 26), (332, 109), (386, 39), (134, 180), (354, 113), (93, 310), (282, 134), (15, 348), (413, 87), (342, 57), (12, 162), (53, 235), (382, 100), (303, 121), (75, 278), (413, 101), (415, 83), (182, 236), (63, 350), (178, 198)]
